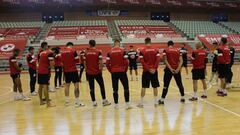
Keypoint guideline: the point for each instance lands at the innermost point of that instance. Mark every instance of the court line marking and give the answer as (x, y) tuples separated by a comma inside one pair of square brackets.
[(210, 103)]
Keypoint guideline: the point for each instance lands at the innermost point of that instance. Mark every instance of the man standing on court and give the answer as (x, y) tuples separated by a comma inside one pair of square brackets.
[(15, 71), (173, 60), (198, 72), (223, 59), (117, 65), (150, 58), (132, 57), (94, 67), (214, 75), (46, 62), (230, 73), (32, 69), (70, 59), (184, 53)]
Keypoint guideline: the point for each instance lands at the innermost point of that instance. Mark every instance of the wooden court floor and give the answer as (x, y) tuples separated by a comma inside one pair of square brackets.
[(214, 116)]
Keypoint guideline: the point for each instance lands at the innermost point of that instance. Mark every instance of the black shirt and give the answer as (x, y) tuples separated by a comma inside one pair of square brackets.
[(232, 52), (132, 56), (184, 53)]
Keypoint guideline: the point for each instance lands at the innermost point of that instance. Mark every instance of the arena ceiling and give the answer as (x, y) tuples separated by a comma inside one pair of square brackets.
[(106, 3)]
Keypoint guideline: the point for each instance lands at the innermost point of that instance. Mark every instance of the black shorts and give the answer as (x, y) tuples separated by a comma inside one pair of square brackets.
[(71, 77), (214, 68), (14, 76), (223, 70), (133, 66), (43, 79), (148, 78), (198, 74), (184, 64)]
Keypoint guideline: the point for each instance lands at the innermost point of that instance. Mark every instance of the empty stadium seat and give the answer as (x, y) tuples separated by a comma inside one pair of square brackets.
[(193, 28), (234, 26)]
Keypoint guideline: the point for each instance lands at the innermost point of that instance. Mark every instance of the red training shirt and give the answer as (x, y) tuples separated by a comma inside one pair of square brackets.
[(117, 60), (13, 70), (92, 58), (199, 57), (150, 58), (44, 62), (70, 59), (58, 60), (172, 55), (31, 61), (224, 56)]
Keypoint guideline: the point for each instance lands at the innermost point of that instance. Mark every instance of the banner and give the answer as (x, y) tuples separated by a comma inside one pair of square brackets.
[(7, 47), (209, 39), (109, 12)]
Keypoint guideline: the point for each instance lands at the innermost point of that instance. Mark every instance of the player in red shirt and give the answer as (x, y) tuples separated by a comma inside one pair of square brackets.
[(150, 58), (223, 60), (198, 72), (58, 67), (32, 69), (44, 73), (82, 66), (117, 65), (70, 59), (94, 67), (173, 60), (15, 71)]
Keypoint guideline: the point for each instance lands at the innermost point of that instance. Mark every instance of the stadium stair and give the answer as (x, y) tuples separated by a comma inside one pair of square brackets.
[(113, 32), (43, 32)]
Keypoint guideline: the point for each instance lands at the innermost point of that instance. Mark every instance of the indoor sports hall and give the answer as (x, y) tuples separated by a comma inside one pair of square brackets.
[(142, 40)]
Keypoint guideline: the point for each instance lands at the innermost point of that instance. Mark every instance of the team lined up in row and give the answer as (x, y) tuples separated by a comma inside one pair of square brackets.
[(117, 63)]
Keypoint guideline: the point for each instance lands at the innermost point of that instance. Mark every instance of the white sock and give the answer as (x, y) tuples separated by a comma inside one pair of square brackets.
[(94, 102), (15, 94), (77, 100), (195, 95), (162, 99), (155, 100), (104, 100), (127, 104), (182, 97), (66, 99), (205, 92), (224, 91), (142, 99), (22, 95)]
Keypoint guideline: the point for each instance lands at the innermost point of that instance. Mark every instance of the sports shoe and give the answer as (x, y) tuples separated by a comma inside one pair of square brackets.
[(79, 104), (52, 90), (140, 105), (50, 105), (214, 83), (160, 102), (34, 93), (219, 91), (17, 98), (94, 104), (116, 106), (128, 107), (182, 100), (57, 87), (106, 103), (222, 94), (66, 103), (193, 99), (26, 98), (204, 96)]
